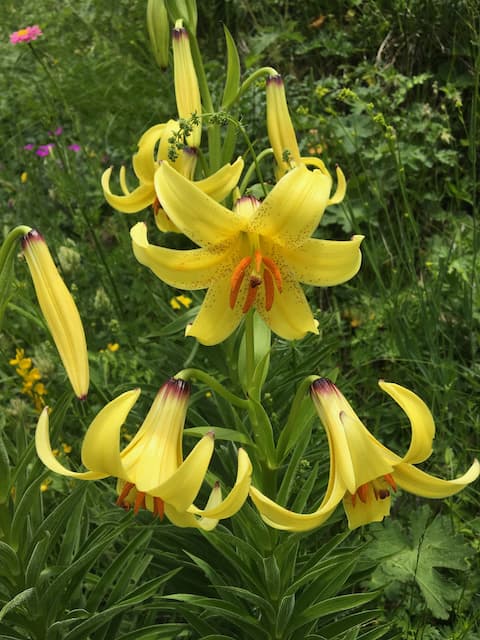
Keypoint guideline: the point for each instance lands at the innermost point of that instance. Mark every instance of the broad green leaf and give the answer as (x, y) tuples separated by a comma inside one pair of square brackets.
[(22, 599), (37, 560), (414, 554), (352, 621), (9, 563), (232, 82)]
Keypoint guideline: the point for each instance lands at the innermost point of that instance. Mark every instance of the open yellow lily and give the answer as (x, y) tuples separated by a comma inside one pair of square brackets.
[(155, 146), (362, 471), (59, 310), (283, 139), (151, 471), (254, 256)]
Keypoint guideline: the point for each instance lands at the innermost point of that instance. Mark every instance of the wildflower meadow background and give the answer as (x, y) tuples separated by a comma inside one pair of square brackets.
[(389, 91)]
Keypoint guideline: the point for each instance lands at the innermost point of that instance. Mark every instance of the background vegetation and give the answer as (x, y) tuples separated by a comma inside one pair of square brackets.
[(389, 90)]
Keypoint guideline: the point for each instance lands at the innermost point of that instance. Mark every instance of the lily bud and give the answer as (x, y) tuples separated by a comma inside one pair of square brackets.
[(59, 311), (158, 31)]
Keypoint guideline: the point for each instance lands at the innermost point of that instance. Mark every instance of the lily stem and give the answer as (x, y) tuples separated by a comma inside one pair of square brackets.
[(198, 374)]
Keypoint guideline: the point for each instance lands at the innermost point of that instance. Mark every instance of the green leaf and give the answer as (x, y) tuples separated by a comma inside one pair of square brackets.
[(220, 434), (22, 599), (261, 356), (232, 82), (156, 632), (332, 605), (9, 563), (4, 472), (413, 555)]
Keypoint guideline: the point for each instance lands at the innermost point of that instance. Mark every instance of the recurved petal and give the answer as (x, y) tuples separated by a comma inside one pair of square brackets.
[(138, 199), (290, 316), (223, 181), (186, 519), (198, 216), (293, 208), (324, 263), (144, 162), (191, 269), (237, 496), (422, 484), (101, 445), (421, 420), (181, 489), (45, 453), (282, 518), (216, 320)]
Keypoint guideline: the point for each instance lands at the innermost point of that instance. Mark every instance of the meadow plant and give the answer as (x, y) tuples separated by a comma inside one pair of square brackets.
[(230, 539)]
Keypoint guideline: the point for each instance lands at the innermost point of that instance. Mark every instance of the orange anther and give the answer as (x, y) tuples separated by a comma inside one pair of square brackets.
[(353, 498), (258, 260), (362, 492), (389, 479), (156, 206), (271, 266), (252, 294), (127, 487), (237, 279), (158, 507), (139, 502), (269, 290)]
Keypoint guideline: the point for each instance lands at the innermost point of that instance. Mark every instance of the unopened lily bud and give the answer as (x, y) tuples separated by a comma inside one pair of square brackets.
[(59, 310), (158, 31)]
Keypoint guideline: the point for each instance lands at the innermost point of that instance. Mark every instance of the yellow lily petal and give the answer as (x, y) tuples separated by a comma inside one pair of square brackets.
[(59, 310), (222, 182), (237, 496), (101, 445), (290, 316), (186, 519), (422, 484), (199, 217), (191, 269), (45, 453), (281, 518), (181, 489), (292, 210), (421, 420), (341, 189), (138, 199), (324, 263), (144, 161), (216, 320)]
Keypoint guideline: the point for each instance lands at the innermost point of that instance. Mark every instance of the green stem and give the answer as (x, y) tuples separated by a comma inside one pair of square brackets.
[(290, 432), (259, 73), (250, 352), (198, 374)]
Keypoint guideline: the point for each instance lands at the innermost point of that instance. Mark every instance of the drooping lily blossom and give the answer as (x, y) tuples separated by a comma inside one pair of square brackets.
[(156, 146), (283, 139), (150, 470), (153, 148), (364, 473), (59, 310), (253, 256)]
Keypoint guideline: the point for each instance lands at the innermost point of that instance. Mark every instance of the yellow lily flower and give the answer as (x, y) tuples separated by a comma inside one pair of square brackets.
[(363, 472), (150, 470), (59, 310), (283, 139), (254, 256), (146, 162)]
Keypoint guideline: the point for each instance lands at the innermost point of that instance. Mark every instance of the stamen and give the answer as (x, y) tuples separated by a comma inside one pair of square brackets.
[(389, 479), (139, 502), (362, 492), (237, 279), (271, 266), (258, 260), (269, 290), (127, 487), (252, 293), (158, 507), (353, 497)]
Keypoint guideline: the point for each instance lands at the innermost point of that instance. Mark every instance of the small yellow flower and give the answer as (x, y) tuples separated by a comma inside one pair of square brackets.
[(23, 177), (113, 346), (66, 448), (44, 486), (178, 301)]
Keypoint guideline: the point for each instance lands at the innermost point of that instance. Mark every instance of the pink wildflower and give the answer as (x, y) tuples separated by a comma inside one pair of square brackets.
[(26, 35), (44, 150), (74, 147), (28, 147)]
